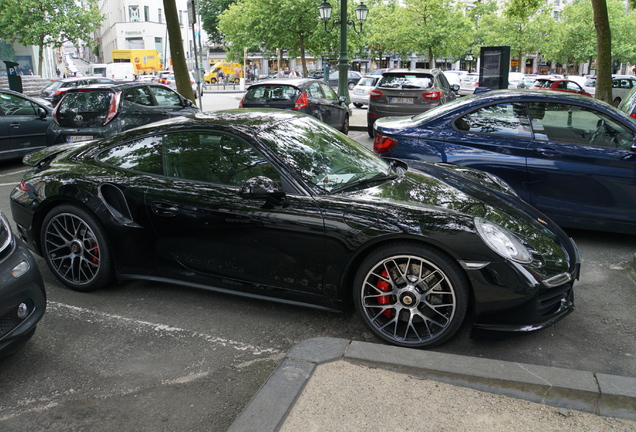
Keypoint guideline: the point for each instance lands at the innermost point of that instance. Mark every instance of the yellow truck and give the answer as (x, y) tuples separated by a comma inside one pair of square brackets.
[(144, 61), (229, 70)]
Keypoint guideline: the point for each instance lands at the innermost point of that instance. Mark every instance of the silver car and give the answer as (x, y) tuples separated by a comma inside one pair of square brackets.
[(360, 93), (402, 92)]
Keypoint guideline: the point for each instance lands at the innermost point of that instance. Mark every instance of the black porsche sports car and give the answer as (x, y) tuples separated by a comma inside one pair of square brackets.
[(278, 205)]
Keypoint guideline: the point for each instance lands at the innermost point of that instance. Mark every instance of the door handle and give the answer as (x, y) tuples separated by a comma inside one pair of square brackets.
[(164, 209), (548, 151), (15, 125)]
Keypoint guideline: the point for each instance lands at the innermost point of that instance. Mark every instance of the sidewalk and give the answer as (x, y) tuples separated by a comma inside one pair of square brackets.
[(328, 384)]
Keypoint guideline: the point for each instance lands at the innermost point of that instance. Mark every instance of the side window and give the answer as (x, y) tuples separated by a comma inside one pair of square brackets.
[(142, 155), (314, 90), (13, 105), (576, 125), (213, 158), (501, 119), (573, 86), (328, 92), (165, 96), (443, 82), (139, 95)]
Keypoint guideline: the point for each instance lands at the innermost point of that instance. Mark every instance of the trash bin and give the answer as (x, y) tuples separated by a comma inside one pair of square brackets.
[(15, 80)]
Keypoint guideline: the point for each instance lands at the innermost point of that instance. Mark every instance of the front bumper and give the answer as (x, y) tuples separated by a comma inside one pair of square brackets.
[(22, 298)]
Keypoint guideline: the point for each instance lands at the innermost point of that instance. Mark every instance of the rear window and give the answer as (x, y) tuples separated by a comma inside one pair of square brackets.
[(53, 86), (83, 109), (409, 81), (368, 81), (542, 83), (270, 93)]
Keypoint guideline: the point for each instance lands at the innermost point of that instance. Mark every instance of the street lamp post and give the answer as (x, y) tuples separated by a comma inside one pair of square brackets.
[(343, 61), (469, 58)]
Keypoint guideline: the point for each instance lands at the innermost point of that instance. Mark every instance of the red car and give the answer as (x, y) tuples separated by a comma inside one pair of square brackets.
[(563, 85)]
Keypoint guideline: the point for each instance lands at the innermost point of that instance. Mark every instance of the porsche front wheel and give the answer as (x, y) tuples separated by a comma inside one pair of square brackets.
[(411, 295)]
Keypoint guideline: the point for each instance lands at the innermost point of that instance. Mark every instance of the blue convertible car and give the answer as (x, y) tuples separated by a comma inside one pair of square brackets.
[(572, 157)]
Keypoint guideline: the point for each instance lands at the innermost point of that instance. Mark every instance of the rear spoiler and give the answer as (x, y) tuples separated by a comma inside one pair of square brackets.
[(37, 157)]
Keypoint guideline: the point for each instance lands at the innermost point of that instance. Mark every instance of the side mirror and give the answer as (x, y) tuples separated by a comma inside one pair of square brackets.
[(342, 99), (188, 103), (42, 113), (633, 147), (261, 187), (455, 87)]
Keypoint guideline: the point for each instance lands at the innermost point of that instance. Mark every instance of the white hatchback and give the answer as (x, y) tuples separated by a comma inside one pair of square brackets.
[(360, 93)]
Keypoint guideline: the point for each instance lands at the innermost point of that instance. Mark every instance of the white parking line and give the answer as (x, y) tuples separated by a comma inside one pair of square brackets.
[(15, 172), (162, 329)]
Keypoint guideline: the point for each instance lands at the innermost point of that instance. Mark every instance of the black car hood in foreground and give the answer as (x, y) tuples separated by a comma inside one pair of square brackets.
[(453, 197)]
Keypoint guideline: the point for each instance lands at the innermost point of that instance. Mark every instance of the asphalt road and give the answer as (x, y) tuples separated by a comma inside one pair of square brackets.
[(143, 356)]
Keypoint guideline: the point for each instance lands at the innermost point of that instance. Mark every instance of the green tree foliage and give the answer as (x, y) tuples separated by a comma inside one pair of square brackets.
[(210, 11), (48, 23), (255, 24)]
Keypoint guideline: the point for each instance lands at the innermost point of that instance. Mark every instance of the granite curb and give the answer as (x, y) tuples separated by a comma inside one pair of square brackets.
[(601, 394)]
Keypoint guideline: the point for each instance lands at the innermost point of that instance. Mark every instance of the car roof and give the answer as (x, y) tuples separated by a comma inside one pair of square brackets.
[(114, 86), (409, 70), (289, 81)]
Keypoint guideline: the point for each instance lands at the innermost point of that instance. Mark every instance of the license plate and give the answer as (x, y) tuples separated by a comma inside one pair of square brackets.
[(401, 100), (359, 91), (77, 138)]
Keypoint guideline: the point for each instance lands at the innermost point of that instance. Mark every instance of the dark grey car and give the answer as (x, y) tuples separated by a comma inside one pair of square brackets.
[(56, 89), (24, 123), (101, 110), (402, 92)]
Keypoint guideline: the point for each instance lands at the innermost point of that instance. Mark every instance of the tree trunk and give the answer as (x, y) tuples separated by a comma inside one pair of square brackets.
[(40, 58), (603, 51), (181, 75)]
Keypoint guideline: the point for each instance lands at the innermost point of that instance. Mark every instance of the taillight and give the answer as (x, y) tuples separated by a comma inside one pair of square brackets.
[(23, 186), (432, 95), (476, 84), (375, 93), (112, 110), (633, 116), (241, 102), (384, 144), (302, 101)]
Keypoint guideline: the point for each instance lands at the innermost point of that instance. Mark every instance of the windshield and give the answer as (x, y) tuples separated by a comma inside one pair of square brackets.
[(406, 81), (322, 156)]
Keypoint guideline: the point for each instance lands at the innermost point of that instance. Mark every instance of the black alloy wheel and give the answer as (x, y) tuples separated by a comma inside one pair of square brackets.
[(75, 248), (351, 85), (411, 295)]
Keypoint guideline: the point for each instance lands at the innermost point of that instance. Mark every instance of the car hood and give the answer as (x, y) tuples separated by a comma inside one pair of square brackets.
[(456, 197)]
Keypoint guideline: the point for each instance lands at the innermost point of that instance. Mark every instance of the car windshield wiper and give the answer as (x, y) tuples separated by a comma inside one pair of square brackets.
[(376, 179)]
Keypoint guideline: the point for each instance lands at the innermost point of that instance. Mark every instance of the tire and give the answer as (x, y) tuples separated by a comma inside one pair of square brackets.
[(351, 85), (370, 129), (213, 81), (345, 126), (357, 105), (75, 248), (616, 102), (426, 295)]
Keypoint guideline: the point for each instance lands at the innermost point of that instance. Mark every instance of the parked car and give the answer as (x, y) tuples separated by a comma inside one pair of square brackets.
[(628, 104), (101, 110), (24, 123), (362, 90), (22, 294), (453, 79), (56, 89), (562, 85), (306, 95), (468, 83), (276, 204), (514, 78), (527, 81), (408, 91), (570, 156), (170, 81), (379, 71), (352, 80), (621, 85)]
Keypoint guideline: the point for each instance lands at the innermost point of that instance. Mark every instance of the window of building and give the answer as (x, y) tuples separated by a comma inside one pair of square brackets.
[(146, 13), (160, 16), (180, 14), (133, 13)]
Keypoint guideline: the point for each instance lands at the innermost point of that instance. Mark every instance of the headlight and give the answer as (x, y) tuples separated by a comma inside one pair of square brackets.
[(502, 241)]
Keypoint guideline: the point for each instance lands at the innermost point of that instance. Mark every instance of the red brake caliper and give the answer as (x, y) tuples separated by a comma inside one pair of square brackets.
[(384, 286)]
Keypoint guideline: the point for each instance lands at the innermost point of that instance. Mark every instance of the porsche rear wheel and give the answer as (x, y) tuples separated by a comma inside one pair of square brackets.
[(411, 295), (75, 248)]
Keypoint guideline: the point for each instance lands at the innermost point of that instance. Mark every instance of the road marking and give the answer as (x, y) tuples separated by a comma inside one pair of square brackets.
[(9, 184), (15, 172), (162, 329)]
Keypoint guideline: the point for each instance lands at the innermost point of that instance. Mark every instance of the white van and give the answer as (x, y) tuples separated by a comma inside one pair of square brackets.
[(120, 71), (97, 69)]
